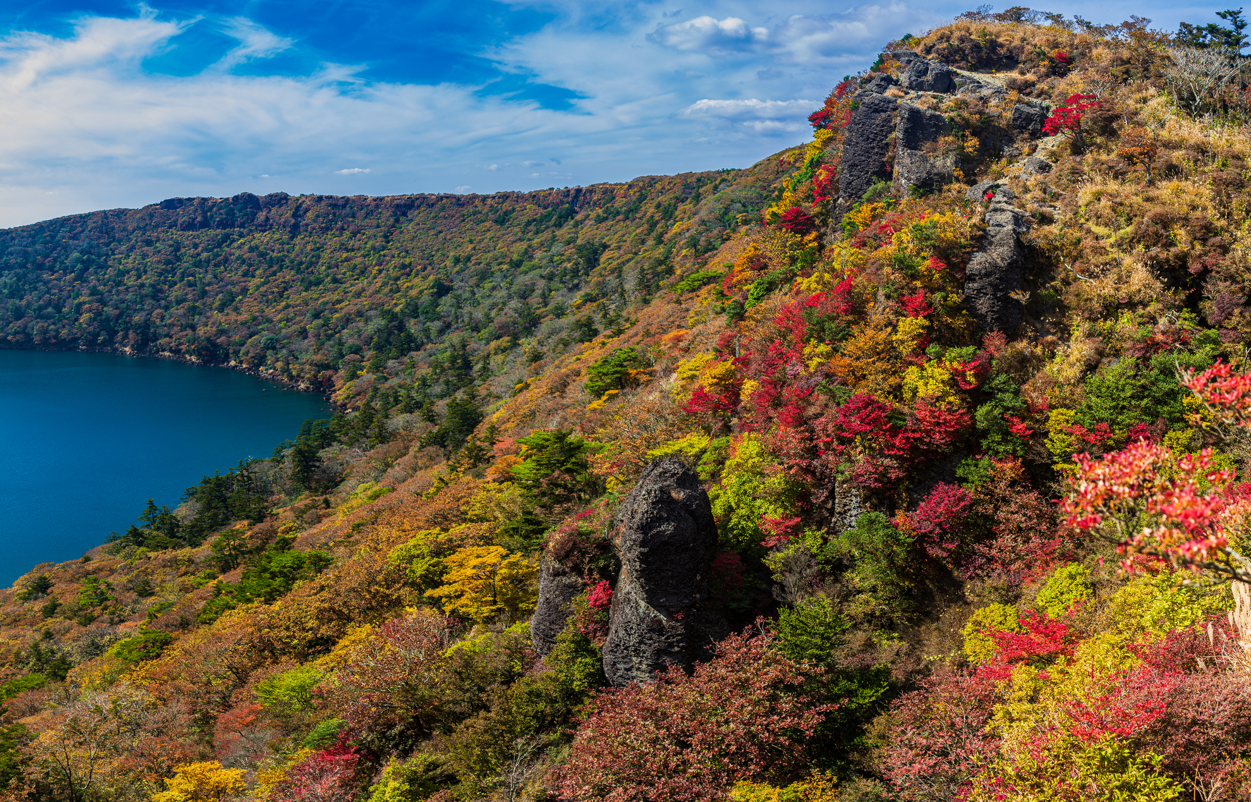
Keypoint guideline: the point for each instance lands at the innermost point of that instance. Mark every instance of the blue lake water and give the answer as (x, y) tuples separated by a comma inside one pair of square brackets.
[(86, 439)]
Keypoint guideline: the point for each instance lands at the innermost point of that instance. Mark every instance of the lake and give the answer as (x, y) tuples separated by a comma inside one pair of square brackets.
[(87, 438)]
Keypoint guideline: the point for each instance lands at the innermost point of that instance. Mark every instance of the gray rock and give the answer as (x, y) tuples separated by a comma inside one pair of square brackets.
[(977, 192), (878, 83), (917, 127), (666, 537), (558, 586), (848, 504), (923, 75), (1028, 118), (865, 142), (1036, 166), (997, 268)]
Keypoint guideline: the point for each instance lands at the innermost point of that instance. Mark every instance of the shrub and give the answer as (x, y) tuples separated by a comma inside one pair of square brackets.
[(741, 716)]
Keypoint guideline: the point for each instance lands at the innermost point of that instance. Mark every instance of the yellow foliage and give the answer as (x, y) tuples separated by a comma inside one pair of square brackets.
[(868, 362), (690, 446), (931, 380), (908, 333), (494, 502), (202, 782), (484, 582), (718, 376), (269, 779), (865, 214), (362, 495), (817, 354), (1059, 441), (687, 373), (978, 645)]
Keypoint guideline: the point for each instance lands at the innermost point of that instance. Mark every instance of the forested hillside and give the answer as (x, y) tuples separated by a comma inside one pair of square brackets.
[(910, 464), (315, 290)]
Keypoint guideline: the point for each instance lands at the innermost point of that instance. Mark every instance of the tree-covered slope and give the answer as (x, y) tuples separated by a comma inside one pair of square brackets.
[(296, 286), (967, 398)]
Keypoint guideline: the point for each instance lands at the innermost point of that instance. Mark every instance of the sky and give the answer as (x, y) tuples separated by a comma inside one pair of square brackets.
[(107, 104)]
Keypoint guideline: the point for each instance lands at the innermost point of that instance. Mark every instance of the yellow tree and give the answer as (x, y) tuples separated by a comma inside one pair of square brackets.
[(484, 581), (202, 782)]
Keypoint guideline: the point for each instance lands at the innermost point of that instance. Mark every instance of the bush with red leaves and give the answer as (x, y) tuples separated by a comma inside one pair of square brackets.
[(743, 715)]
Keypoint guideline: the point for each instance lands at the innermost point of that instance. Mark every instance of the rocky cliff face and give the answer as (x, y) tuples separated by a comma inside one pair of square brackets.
[(995, 273), (558, 587), (666, 538)]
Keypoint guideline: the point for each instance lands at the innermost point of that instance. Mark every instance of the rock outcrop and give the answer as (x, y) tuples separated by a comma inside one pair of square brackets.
[(866, 140), (558, 587), (666, 538), (996, 270), (1028, 118), (923, 75), (917, 127)]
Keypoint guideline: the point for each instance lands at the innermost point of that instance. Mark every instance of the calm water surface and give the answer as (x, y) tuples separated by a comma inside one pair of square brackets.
[(86, 439)]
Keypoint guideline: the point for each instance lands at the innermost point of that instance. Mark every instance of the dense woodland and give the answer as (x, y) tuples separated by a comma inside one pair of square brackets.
[(961, 560)]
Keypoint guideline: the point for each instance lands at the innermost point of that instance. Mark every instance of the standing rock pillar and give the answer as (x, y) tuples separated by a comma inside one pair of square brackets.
[(666, 538)]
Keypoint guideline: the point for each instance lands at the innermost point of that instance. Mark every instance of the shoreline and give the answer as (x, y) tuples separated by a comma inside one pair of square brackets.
[(259, 373)]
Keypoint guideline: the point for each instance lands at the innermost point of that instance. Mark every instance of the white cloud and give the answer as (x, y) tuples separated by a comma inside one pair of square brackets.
[(493, 167), (711, 34), (255, 41), (353, 171), (463, 188)]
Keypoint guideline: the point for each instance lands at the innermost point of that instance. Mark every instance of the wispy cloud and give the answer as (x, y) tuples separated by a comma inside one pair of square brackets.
[(353, 171), (255, 41)]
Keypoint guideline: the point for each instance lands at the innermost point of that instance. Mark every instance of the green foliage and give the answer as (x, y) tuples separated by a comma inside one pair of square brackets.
[(1132, 391), (614, 371), (879, 559), (751, 489), (413, 780), (1069, 585), (1004, 399), (267, 577), (290, 692), (324, 733), (36, 588), (697, 280), (145, 646), (554, 468), (460, 419)]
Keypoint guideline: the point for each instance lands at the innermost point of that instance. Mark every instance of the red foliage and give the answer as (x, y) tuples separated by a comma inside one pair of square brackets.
[(798, 221), (1044, 640), (916, 305), (241, 736), (938, 518), (685, 738), (780, 530), (1135, 699), (1068, 118), (940, 739), (1185, 498), (600, 597), (325, 776), (821, 119)]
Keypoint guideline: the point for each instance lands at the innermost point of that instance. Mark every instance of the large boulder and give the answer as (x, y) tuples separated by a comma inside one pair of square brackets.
[(916, 128), (997, 269), (866, 140), (558, 587), (923, 75), (878, 83), (666, 538), (1028, 118)]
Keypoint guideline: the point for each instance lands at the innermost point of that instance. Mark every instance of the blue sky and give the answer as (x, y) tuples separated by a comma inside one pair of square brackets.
[(106, 104)]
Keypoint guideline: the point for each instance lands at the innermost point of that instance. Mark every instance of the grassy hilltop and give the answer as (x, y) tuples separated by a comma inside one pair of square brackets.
[(964, 377)]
